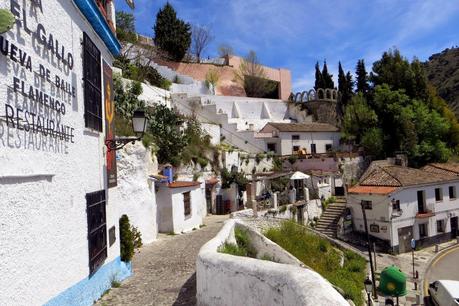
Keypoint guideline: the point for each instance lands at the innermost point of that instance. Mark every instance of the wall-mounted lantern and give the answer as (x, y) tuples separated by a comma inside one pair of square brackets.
[(139, 124)]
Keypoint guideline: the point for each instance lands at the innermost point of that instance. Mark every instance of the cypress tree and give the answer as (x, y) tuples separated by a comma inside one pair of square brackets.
[(328, 78), (362, 77), (345, 85), (319, 83), (172, 34)]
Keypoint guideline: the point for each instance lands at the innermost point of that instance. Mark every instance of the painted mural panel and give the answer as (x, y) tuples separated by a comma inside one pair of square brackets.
[(110, 124)]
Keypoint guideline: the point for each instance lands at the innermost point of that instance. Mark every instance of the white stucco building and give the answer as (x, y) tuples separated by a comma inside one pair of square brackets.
[(291, 138), (402, 203), (59, 223), (181, 206)]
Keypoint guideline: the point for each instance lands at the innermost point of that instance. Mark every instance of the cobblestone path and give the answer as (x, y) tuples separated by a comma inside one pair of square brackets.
[(164, 271)]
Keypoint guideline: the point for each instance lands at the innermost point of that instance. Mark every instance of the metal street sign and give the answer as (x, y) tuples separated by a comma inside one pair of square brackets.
[(413, 244)]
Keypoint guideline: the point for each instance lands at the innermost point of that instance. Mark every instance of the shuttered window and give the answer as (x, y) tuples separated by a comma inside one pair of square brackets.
[(92, 85), (187, 203), (97, 229)]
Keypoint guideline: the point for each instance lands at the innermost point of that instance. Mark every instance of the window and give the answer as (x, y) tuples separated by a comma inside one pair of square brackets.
[(328, 147), (313, 148), (295, 137), (367, 204), (396, 205), (97, 231), (421, 201), (438, 194), (187, 203), (440, 226), (452, 192), (422, 230), (92, 85), (271, 147), (295, 149)]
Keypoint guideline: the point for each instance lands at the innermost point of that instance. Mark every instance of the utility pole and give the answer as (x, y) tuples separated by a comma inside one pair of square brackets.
[(369, 249)]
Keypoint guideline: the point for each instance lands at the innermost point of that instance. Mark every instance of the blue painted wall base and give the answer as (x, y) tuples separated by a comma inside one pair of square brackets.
[(88, 290)]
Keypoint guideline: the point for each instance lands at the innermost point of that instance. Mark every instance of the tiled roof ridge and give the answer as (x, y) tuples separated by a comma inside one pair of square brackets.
[(388, 173)]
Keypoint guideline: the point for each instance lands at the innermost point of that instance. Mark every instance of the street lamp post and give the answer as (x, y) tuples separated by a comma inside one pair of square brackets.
[(368, 288), (369, 249), (139, 123)]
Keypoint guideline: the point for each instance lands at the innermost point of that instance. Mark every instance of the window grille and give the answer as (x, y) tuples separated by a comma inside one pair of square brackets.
[(97, 229), (187, 203), (92, 77)]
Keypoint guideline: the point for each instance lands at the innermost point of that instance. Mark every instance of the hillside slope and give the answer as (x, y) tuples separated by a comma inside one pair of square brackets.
[(443, 72)]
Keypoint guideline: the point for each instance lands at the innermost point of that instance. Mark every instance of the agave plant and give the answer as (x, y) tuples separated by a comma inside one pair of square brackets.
[(6, 20)]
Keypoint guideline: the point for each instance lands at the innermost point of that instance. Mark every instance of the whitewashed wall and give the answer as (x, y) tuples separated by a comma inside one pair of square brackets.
[(42, 204), (171, 211), (320, 139), (382, 210), (135, 192), (257, 282)]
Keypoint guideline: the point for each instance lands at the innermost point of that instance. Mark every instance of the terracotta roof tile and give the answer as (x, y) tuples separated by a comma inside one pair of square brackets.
[(183, 184), (451, 169), (372, 189), (397, 176), (304, 127)]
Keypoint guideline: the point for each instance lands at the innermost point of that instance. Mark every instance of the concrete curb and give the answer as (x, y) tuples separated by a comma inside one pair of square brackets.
[(429, 265)]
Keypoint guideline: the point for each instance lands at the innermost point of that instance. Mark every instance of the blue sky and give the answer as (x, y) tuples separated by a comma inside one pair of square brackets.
[(294, 34)]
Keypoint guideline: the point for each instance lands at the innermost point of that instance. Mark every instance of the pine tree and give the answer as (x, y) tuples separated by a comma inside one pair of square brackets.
[(319, 83), (328, 78), (362, 77), (172, 34)]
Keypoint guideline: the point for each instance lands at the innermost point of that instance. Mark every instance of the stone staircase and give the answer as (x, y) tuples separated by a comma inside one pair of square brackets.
[(327, 223)]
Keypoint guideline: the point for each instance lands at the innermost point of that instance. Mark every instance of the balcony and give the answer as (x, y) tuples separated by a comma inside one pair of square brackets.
[(425, 214)]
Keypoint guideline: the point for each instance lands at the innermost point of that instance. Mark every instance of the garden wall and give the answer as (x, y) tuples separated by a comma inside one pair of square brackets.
[(224, 279)]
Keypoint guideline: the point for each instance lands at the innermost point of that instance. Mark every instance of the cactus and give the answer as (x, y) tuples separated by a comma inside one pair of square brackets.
[(6, 20)]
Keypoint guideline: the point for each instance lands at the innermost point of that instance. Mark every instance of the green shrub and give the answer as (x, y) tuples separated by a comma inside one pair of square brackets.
[(259, 157), (242, 247), (283, 208), (292, 159), (202, 162), (126, 239)]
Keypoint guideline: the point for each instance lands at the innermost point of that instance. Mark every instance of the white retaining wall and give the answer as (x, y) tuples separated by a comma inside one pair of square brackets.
[(135, 192), (224, 279)]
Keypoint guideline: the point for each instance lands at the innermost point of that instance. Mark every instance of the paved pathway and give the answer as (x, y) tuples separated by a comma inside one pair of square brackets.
[(164, 271)]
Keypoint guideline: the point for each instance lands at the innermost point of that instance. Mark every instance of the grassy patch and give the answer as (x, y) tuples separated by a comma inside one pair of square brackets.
[(242, 246), (321, 256)]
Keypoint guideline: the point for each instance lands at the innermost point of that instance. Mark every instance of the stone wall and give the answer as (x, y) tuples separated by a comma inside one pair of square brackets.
[(224, 279)]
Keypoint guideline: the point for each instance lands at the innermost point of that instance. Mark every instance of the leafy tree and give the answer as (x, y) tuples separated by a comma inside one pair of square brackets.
[(253, 77), (358, 118), (397, 72), (361, 77), (126, 97), (373, 142), (164, 124), (125, 27), (319, 83), (327, 77), (172, 34)]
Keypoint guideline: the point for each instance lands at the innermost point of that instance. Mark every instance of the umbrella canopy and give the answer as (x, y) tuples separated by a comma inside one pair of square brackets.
[(299, 176)]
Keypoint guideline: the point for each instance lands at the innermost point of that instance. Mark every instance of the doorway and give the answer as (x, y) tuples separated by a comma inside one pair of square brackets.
[(313, 149), (454, 227), (299, 187), (405, 234)]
